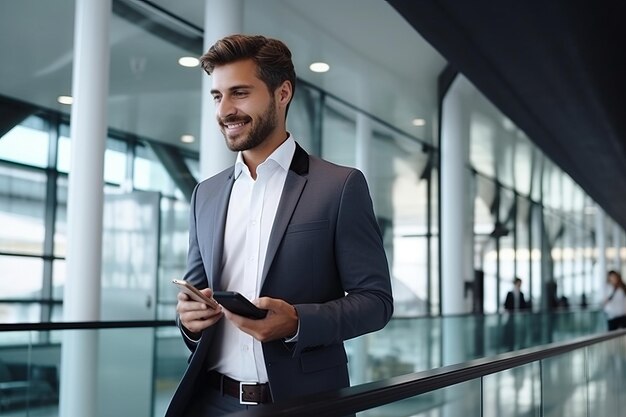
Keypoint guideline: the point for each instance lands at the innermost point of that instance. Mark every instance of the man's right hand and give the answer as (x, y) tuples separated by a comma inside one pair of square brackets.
[(197, 316)]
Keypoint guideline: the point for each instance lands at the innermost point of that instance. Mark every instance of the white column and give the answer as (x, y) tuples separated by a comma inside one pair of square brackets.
[(456, 219), (81, 302), (455, 237), (601, 268), (222, 18)]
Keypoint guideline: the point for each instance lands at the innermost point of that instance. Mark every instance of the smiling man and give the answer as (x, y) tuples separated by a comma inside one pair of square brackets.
[(294, 233)]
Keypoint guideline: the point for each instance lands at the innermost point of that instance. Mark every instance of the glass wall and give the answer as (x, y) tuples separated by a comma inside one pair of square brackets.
[(376, 109), (531, 220)]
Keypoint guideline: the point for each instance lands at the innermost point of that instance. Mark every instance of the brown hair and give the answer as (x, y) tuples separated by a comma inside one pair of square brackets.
[(620, 281), (272, 57)]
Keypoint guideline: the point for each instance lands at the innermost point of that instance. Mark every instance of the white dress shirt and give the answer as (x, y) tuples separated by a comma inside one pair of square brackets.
[(251, 212)]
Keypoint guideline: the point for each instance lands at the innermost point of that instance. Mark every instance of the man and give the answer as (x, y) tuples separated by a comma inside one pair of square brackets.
[(295, 234), (515, 299)]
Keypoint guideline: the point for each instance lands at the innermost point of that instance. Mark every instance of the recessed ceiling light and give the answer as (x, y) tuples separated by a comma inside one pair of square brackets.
[(418, 122), (187, 139), (65, 100), (319, 67), (188, 61)]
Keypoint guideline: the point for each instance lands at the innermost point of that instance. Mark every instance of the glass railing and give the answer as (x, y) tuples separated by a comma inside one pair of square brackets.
[(148, 359), (408, 345), (584, 377)]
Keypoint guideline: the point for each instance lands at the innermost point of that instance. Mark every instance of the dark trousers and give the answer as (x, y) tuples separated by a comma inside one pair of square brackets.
[(617, 323)]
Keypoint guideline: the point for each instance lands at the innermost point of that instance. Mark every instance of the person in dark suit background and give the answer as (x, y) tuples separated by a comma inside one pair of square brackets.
[(515, 300), (291, 231), (514, 331)]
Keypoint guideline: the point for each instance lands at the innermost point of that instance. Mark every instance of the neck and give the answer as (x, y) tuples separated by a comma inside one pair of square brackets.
[(257, 155)]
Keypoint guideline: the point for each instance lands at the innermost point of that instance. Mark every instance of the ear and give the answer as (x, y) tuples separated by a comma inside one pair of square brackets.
[(284, 93)]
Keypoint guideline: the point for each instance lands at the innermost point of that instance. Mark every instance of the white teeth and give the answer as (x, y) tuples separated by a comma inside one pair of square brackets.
[(236, 125)]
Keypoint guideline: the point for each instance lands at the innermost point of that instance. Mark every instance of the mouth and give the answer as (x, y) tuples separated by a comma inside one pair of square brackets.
[(233, 126)]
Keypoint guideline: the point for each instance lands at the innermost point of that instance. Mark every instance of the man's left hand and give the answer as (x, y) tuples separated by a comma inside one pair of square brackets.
[(281, 320)]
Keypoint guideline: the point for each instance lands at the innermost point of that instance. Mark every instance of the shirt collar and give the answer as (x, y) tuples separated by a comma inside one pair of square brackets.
[(281, 155)]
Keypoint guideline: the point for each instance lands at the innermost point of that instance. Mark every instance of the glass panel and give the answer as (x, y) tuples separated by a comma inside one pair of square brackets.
[(173, 252), (59, 273), (523, 165), (513, 393), (606, 369), (64, 149), (18, 313), (434, 241), (303, 114), (22, 208), (339, 133), (31, 370), (115, 161), (21, 277), (60, 227), (458, 400), (26, 143), (150, 175), (535, 256), (114, 157), (522, 243), (564, 389), (194, 167)]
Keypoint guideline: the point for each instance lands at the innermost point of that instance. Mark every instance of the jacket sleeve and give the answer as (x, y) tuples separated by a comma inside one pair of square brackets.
[(195, 270), (364, 273)]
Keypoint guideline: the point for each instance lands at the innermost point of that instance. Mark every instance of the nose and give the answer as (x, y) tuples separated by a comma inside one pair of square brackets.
[(225, 108)]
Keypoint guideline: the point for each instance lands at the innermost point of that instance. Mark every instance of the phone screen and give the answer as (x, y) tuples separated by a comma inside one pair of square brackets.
[(238, 304)]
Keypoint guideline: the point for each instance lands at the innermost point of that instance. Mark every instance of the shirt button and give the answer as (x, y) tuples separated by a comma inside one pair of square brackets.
[(253, 222), (245, 348)]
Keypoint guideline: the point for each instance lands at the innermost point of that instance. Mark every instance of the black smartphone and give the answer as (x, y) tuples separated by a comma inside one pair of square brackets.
[(238, 304)]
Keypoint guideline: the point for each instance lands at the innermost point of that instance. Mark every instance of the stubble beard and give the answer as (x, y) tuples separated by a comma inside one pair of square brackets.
[(260, 131)]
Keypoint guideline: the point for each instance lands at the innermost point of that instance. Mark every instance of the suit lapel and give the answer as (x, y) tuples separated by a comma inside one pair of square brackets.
[(219, 225), (294, 184)]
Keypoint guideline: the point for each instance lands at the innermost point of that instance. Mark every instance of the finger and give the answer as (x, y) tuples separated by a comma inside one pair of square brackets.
[(266, 303), (208, 292), (183, 306)]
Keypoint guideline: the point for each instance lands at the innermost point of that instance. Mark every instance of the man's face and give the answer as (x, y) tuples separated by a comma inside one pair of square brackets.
[(245, 110)]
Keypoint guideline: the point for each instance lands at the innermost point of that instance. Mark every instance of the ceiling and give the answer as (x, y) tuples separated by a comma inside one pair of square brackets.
[(555, 68), (152, 96)]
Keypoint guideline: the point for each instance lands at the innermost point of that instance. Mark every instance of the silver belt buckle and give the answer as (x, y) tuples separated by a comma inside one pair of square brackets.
[(241, 385)]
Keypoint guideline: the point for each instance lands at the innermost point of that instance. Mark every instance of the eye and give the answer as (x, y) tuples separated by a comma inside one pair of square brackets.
[(240, 93), (217, 98)]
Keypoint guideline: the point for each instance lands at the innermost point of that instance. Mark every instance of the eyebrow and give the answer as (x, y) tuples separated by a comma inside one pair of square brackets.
[(233, 88)]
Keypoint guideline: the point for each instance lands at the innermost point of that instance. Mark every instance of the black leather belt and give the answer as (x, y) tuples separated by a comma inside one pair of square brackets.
[(250, 393)]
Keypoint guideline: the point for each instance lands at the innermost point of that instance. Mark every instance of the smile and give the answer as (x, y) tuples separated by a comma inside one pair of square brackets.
[(234, 125)]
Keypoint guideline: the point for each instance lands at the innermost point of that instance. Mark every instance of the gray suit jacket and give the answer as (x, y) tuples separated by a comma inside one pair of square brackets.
[(325, 242)]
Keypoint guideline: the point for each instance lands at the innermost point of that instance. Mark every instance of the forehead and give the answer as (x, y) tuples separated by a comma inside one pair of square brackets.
[(236, 73)]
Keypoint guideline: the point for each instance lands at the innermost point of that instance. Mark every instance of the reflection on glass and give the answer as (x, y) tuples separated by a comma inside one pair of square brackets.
[(150, 175), (513, 393), (26, 143), (458, 400), (564, 385)]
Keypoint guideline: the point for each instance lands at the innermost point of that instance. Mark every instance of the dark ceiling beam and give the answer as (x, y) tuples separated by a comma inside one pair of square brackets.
[(12, 113), (554, 68)]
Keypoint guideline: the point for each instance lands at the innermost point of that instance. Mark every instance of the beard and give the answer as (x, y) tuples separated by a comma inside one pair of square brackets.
[(260, 129)]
